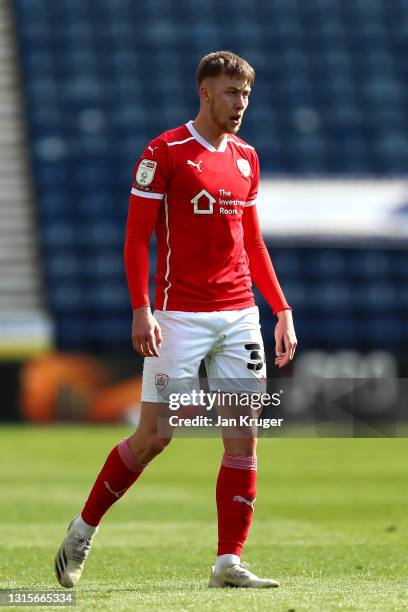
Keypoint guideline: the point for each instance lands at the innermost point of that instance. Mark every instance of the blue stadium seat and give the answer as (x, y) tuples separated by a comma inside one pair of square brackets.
[(375, 297), (296, 293), (101, 234), (74, 333), (111, 331), (383, 332), (322, 263), (368, 263), (60, 234), (107, 297), (66, 298), (62, 266), (335, 332), (56, 204), (102, 266)]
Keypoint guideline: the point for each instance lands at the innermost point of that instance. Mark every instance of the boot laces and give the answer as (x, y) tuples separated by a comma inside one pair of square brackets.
[(239, 570), (79, 548)]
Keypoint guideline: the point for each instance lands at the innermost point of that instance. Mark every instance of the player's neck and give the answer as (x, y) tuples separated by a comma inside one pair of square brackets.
[(210, 132)]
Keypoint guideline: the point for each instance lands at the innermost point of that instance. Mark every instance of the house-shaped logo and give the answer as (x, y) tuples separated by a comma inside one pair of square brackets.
[(206, 206)]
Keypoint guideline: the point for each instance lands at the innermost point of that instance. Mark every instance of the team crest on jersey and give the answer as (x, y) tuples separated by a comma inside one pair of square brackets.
[(243, 166), (145, 172), (161, 381)]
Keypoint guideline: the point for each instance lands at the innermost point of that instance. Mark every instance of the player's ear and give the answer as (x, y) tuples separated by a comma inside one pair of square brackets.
[(205, 93)]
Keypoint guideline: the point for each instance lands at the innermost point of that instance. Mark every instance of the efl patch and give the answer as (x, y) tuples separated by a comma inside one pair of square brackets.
[(145, 172), (244, 167)]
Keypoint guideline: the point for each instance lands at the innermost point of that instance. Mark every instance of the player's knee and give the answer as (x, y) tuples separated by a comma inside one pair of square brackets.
[(244, 447), (156, 445), (248, 449)]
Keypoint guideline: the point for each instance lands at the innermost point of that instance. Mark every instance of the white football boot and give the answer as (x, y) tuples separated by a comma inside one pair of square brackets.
[(71, 556), (238, 575)]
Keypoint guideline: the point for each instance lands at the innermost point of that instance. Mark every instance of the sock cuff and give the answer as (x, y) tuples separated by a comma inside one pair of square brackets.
[(240, 462), (85, 529), (128, 458)]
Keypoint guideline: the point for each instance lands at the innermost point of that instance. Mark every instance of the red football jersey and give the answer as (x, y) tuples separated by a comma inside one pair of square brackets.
[(201, 264)]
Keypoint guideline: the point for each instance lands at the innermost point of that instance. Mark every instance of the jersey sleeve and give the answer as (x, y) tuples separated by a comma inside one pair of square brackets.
[(253, 192), (150, 177), (151, 172), (262, 271)]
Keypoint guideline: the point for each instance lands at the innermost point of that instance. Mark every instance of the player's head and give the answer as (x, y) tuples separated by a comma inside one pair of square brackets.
[(224, 83)]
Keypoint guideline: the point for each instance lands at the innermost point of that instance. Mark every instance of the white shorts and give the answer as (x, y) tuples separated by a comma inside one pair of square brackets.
[(229, 341)]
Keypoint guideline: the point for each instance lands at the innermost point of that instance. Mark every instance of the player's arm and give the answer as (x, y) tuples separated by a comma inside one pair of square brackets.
[(146, 334), (149, 186), (264, 277)]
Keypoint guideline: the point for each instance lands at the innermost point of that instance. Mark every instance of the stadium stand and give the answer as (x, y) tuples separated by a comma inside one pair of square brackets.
[(25, 328), (103, 77)]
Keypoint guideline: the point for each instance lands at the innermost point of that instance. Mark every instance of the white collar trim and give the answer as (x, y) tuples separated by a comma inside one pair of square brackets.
[(204, 142)]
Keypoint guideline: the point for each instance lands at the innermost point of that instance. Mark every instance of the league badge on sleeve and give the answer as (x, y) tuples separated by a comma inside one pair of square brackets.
[(145, 172)]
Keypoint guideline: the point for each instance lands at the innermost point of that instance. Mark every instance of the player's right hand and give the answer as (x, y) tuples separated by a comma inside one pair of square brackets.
[(146, 333)]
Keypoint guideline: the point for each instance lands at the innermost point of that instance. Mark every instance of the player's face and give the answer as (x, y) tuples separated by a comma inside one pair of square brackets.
[(228, 101)]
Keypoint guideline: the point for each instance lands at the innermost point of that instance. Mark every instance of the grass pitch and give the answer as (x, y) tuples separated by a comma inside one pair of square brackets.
[(331, 523)]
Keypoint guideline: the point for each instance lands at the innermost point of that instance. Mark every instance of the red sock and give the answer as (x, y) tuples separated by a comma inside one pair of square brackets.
[(119, 472), (236, 492)]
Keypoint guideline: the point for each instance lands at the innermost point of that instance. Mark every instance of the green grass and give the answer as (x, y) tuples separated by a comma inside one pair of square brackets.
[(331, 523)]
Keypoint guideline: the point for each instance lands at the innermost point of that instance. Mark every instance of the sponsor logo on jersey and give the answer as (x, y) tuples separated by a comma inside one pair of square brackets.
[(145, 172), (228, 211), (161, 381), (206, 206), (230, 202), (244, 166)]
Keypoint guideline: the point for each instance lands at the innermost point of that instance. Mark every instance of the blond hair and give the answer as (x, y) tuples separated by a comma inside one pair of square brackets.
[(225, 62)]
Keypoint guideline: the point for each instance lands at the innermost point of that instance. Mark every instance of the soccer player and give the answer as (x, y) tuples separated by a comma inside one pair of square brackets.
[(196, 186)]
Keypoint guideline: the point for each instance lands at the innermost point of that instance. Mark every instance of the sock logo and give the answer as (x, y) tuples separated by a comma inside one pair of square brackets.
[(248, 502), (115, 493)]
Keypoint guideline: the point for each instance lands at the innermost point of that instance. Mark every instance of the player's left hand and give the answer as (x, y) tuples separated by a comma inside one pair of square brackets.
[(285, 338)]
